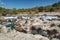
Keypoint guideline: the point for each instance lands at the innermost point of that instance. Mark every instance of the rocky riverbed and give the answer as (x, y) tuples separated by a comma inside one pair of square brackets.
[(6, 34), (36, 28)]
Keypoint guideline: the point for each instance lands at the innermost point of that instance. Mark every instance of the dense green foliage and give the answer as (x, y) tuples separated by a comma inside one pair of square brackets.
[(50, 8)]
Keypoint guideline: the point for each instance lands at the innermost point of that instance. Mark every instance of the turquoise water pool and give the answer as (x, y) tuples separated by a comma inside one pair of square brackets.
[(8, 24)]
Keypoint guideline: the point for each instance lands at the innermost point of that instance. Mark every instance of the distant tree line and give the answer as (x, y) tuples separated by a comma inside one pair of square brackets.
[(50, 8)]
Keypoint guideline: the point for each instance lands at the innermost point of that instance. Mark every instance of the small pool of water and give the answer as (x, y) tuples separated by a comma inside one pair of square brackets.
[(8, 24)]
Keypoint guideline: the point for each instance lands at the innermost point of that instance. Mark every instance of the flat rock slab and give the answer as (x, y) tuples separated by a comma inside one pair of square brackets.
[(20, 36)]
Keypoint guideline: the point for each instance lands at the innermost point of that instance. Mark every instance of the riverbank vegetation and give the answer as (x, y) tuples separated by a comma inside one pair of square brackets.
[(50, 8)]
